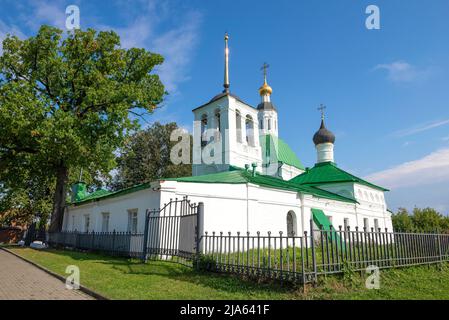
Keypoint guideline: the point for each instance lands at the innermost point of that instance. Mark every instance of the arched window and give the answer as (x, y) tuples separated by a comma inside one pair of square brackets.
[(261, 124), (217, 124), (238, 126), (291, 224), (269, 124), (249, 125), (203, 129)]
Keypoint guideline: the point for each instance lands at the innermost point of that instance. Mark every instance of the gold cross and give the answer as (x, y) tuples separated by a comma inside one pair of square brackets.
[(264, 68)]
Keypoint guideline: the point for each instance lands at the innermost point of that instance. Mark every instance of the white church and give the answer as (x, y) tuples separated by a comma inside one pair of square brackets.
[(255, 183)]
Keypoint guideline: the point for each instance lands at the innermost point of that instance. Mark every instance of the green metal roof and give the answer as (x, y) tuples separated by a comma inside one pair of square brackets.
[(234, 176), (275, 149), (103, 194), (242, 176), (328, 172)]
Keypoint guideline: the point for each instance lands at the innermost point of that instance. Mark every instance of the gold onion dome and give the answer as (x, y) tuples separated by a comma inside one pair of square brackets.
[(265, 89)]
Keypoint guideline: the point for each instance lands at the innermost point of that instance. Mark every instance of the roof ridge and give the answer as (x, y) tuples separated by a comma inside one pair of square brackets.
[(320, 178)]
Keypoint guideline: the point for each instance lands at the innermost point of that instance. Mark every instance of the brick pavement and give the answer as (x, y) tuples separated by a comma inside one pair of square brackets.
[(20, 280)]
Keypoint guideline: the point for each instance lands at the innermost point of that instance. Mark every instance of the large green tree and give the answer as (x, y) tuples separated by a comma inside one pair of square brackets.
[(420, 220), (66, 102), (146, 157), (428, 220), (402, 221)]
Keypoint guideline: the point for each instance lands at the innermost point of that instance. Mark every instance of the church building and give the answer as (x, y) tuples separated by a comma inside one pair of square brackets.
[(252, 180)]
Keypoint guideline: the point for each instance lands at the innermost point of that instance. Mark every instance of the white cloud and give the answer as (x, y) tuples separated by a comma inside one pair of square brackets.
[(43, 12), (6, 29), (403, 72), (420, 128), (431, 169), (158, 26), (176, 45)]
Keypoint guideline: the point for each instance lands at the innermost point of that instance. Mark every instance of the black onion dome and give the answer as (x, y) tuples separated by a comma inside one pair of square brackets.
[(266, 106), (323, 135)]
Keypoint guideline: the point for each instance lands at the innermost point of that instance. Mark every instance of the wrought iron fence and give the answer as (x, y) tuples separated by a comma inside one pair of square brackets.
[(303, 258), (125, 244), (171, 232), (296, 258), (358, 249)]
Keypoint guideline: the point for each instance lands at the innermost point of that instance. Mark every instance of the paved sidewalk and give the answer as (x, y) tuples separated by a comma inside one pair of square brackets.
[(20, 280)]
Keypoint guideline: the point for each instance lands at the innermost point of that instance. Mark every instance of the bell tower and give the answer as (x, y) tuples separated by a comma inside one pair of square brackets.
[(267, 113)]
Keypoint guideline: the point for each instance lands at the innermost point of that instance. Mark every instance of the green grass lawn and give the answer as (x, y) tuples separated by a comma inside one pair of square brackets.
[(119, 278)]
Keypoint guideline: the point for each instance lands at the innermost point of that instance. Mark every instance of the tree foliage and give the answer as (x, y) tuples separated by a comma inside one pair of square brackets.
[(146, 157), (65, 103), (421, 220)]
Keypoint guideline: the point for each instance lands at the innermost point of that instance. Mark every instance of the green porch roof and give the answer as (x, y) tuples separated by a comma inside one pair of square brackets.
[(275, 149), (243, 176), (327, 173)]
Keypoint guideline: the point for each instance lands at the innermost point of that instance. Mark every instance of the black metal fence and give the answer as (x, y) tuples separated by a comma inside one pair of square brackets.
[(275, 256), (123, 244), (303, 258), (172, 233)]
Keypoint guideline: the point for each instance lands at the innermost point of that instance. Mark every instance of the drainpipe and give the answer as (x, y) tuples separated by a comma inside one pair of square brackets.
[(301, 198), (247, 207)]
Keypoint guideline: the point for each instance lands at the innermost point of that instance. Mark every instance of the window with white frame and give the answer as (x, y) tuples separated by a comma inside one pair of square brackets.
[(238, 126), (249, 131), (86, 223), (376, 225), (329, 218), (346, 223), (366, 224), (217, 125), (360, 194), (105, 222), (73, 223), (132, 221)]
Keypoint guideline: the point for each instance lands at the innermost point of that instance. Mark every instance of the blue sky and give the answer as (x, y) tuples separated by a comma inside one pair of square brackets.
[(386, 91)]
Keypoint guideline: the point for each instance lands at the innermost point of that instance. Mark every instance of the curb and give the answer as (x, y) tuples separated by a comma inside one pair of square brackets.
[(82, 288)]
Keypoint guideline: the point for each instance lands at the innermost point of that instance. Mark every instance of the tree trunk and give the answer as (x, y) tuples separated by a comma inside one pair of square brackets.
[(59, 199)]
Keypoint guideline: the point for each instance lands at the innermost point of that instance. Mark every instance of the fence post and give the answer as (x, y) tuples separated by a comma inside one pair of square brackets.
[(77, 240), (312, 245), (113, 242), (199, 232), (145, 236), (439, 248)]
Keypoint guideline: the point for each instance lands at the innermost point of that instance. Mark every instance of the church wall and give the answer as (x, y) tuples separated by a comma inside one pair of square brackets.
[(289, 172), (240, 153), (224, 204), (372, 206), (117, 208), (336, 211), (220, 155), (269, 209)]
